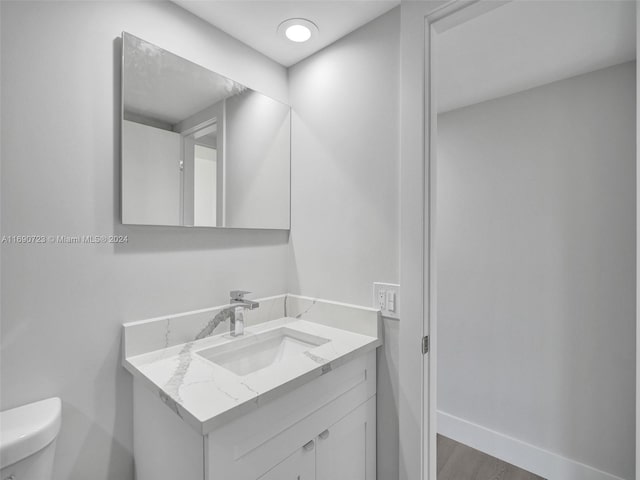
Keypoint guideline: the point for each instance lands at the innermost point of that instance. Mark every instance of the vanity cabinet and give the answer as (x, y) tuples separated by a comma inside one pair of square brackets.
[(337, 453), (341, 452), (322, 429), (301, 465)]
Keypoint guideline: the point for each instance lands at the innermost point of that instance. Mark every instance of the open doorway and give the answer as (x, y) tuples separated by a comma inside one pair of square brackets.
[(203, 175), (533, 227)]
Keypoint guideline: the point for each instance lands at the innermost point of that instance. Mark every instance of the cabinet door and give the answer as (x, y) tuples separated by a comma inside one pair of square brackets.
[(300, 465), (347, 449)]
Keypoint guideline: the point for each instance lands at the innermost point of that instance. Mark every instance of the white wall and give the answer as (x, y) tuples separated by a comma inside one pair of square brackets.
[(536, 271), (345, 178), (62, 305)]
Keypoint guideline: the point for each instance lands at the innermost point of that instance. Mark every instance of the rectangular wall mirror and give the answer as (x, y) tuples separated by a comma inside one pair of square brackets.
[(199, 149)]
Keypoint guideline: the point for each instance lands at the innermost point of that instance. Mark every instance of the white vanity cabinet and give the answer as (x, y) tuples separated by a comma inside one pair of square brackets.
[(337, 453), (323, 429), (301, 465), (343, 450)]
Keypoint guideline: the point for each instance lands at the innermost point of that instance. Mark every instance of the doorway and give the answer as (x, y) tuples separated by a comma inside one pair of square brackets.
[(203, 170), (532, 233)]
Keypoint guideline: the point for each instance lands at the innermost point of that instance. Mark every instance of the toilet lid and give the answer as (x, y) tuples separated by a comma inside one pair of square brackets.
[(27, 429)]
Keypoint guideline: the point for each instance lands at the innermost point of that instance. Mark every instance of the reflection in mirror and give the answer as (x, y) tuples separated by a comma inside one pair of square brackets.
[(199, 149)]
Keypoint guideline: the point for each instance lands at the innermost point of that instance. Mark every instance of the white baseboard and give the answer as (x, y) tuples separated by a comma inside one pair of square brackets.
[(516, 452)]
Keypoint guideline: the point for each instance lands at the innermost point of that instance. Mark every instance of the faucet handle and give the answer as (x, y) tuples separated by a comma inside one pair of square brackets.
[(238, 294)]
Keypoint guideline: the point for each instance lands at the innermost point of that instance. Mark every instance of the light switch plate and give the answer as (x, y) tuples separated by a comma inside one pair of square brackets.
[(386, 298)]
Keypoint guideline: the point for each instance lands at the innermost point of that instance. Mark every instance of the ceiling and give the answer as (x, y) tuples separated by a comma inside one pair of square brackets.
[(166, 88), (255, 22), (524, 44)]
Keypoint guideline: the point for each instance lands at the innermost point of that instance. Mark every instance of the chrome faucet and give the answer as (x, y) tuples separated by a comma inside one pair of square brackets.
[(238, 306)]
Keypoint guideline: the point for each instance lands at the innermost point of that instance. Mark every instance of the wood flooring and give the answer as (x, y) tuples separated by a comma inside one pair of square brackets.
[(459, 462)]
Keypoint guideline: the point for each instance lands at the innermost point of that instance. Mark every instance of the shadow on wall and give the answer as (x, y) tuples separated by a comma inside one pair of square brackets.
[(387, 402), (99, 450), (155, 239), (118, 459)]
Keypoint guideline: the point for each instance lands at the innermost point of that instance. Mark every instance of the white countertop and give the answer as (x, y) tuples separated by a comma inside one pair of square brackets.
[(207, 395)]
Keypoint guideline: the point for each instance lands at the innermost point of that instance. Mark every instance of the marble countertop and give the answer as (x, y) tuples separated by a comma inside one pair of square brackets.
[(206, 395)]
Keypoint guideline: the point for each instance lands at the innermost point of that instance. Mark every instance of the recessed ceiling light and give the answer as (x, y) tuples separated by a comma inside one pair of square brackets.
[(298, 33), (297, 30)]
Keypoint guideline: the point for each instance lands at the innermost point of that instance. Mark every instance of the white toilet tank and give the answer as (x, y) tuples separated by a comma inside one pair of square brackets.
[(28, 440)]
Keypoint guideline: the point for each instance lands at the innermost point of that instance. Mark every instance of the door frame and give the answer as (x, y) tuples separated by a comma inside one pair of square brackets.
[(419, 23), (450, 15), (637, 244), (418, 158)]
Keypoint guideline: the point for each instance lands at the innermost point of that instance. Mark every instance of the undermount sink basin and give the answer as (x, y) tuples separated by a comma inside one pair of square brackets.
[(250, 353)]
